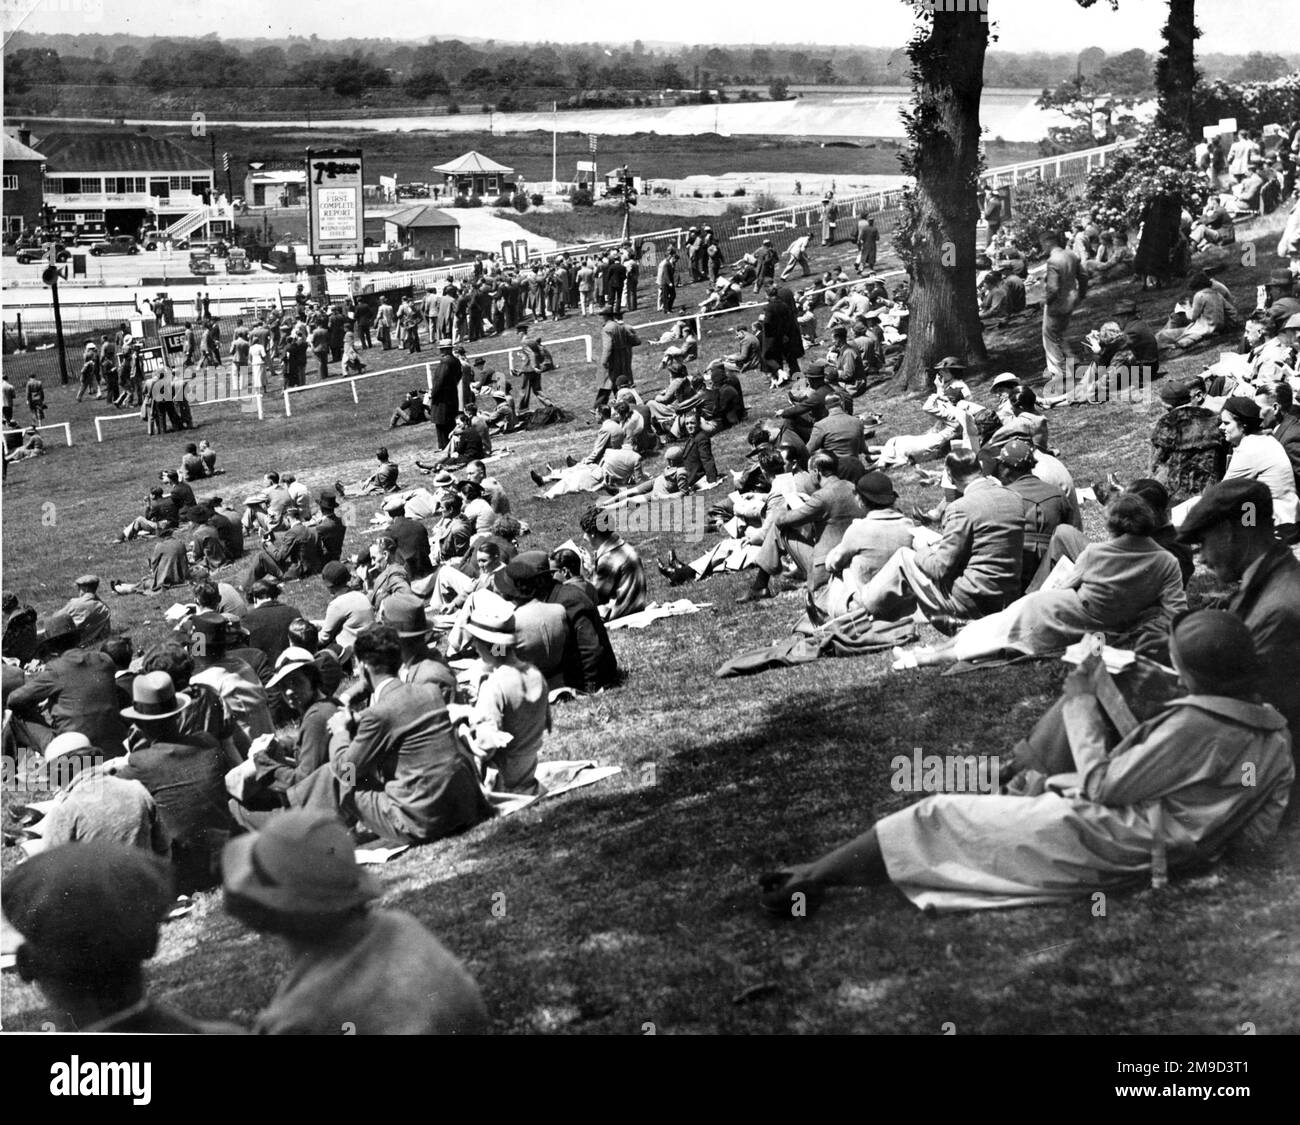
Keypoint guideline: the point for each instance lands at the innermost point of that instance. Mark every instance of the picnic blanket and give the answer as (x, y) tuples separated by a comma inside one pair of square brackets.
[(850, 634), (655, 611)]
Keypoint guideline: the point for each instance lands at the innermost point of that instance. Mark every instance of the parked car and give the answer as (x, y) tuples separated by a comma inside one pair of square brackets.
[(29, 254), (117, 244), (201, 263), (412, 191), (237, 262)]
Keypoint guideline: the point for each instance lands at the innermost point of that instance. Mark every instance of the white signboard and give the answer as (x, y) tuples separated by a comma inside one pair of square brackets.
[(335, 210)]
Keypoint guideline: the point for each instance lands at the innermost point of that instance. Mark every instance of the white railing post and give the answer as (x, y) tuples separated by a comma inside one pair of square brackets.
[(353, 384), (99, 433), (67, 433), (588, 341), (288, 413), (428, 375)]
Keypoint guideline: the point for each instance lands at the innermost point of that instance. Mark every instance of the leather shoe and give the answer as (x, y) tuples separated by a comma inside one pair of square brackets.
[(947, 624), (755, 595), (538, 479)]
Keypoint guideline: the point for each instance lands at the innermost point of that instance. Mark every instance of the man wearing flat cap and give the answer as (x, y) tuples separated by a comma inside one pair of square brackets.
[(89, 918), (88, 612), (74, 692), (354, 967), (1232, 524), (1046, 507), (1188, 452)]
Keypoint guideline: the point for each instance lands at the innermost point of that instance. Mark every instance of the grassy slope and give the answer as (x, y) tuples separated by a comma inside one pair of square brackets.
[(631, 902)]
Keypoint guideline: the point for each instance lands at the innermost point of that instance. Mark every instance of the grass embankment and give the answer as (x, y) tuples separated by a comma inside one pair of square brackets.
[(632, 902)]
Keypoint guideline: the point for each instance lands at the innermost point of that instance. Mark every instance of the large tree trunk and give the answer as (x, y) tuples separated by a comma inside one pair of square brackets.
[(944, 123), (1176, 69)]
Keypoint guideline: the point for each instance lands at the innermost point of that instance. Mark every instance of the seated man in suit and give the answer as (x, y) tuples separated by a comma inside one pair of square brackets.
[(400, 773), (384, 478), (974, 567), (830, 509)]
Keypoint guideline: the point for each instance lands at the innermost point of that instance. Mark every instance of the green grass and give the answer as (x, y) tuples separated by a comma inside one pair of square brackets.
[(411, 156), (632, 902)]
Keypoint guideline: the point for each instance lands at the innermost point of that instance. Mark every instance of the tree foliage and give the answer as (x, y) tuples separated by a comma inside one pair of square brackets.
[(1161, 163), (1048, 205), (1259, 67)]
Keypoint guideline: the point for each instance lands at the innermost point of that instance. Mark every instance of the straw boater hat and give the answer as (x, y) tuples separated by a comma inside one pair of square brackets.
[(301, 865), (288, 662), (154, 697)]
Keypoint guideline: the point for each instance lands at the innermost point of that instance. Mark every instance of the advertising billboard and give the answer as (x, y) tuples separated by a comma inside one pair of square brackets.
[(335, 210)]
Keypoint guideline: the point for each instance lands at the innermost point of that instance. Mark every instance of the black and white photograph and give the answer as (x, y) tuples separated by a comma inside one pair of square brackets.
[(652, 520)]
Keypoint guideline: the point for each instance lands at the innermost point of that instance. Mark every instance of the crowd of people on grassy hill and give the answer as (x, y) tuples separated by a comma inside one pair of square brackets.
[(255, 748)]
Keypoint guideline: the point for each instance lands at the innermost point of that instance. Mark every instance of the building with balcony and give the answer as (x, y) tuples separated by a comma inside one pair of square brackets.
[(107, 183), (24, 170)]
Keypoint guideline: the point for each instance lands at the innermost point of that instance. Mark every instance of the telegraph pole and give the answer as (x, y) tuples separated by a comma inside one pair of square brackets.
[(51, 277)]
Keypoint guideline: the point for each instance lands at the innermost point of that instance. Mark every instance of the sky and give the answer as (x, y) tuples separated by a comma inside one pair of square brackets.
[(1229, 26)]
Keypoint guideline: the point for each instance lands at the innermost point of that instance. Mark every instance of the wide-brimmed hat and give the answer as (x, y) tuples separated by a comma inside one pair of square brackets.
[(1006, 379), (491, 618), (288, 662), (153, 696), (444, 479), (815, 370), (1281, 277), (876, 488), (405, 613), (949, 363), (328, 501), (301, 864)]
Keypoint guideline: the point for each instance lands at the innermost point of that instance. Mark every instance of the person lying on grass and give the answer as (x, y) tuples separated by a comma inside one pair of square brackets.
[(671, 482), (1171, 791)]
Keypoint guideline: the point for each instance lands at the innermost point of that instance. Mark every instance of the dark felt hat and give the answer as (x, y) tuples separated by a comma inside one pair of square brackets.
[(1248, 501)]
